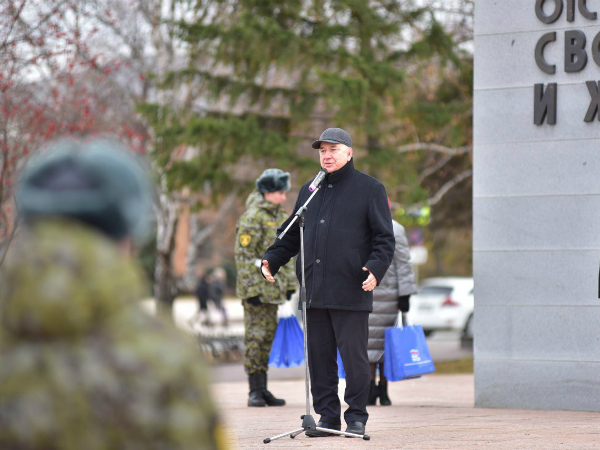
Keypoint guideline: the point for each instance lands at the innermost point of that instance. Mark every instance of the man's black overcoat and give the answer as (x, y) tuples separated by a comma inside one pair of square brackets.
[(348, 227)]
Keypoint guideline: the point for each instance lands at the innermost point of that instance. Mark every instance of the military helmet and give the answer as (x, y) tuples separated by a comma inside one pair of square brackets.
[(273, 180), (99, 183)]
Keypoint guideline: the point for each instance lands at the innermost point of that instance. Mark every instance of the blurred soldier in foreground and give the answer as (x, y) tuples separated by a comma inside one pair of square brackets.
[(82, 367), (256, 231)]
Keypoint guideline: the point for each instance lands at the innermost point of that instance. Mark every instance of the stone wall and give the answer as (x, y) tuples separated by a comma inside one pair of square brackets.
[(536, 213)]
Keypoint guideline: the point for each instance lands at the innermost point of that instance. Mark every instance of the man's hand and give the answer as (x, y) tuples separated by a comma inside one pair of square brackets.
[(266, 271), (370, 283)]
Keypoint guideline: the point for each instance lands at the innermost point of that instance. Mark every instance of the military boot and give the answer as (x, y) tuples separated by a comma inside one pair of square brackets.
[(255, 397), (384, 400), (373, 394), (270, 399)]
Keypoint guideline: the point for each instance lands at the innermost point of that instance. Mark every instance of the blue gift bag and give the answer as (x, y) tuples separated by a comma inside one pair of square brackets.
[(406, 353), (341, 371), (288, 345)]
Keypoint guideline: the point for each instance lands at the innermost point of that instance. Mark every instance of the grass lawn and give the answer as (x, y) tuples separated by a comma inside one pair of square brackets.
[(463, 365)]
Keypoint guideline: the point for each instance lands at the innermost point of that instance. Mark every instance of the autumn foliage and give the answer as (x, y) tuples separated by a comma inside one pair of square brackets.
[(54, 82)]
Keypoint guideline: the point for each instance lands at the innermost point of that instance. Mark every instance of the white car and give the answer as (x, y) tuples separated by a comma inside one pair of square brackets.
[(444, 304)]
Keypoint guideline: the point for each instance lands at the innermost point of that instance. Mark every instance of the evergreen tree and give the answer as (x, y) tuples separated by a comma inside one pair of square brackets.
[(264, 74), (436, 156)]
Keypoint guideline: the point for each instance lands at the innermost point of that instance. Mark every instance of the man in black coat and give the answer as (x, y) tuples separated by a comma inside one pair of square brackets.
[(349, 245)]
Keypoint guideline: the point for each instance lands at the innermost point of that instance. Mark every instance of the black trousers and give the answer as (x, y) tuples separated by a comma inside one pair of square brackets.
[(328, 330)]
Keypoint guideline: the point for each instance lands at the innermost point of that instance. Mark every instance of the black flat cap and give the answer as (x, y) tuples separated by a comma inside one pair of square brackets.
[(333, 136)]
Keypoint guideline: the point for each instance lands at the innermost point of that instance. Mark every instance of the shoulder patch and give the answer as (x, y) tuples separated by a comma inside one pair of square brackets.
[(245, 240)]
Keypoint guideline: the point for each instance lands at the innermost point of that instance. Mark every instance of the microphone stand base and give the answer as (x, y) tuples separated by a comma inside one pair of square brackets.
[(308, 423)]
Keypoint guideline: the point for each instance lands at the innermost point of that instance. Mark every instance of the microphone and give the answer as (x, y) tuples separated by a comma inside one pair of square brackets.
[(317, 181)]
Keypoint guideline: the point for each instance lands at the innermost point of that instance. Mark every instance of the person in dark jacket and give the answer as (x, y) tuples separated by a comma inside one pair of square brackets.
[(217, 289), (203, 295), (349, 245), (210, 287)]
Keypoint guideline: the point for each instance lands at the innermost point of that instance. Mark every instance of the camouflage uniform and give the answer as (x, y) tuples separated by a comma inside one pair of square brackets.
[(256, 231), (82, 367)]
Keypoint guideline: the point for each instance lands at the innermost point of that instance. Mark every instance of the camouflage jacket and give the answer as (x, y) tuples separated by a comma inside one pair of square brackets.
[(256, 231), (82, 365)]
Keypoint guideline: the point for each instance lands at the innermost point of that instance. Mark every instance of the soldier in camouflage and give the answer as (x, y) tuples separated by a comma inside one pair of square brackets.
[(82, 365), (256, 231)]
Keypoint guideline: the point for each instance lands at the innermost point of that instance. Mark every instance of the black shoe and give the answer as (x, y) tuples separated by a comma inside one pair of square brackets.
[(355, 428), (270, 399), (373, 394), (317, 433), (255, 398), (384, 400)]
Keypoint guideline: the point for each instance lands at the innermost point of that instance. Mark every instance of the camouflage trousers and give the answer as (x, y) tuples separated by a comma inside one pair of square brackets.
[(260, 323)]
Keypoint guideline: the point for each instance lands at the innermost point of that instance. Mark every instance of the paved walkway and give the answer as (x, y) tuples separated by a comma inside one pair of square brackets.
[(433, 412)]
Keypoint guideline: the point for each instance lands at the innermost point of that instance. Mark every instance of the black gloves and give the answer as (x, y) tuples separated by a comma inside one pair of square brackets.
[(254, 301), (403, 303)]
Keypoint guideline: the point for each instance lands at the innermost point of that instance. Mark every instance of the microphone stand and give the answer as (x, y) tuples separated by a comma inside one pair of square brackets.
[(308, 422)]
